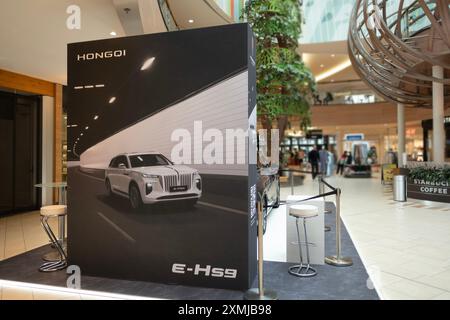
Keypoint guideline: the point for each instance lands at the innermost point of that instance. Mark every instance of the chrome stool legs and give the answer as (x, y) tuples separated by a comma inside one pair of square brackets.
[(302, 270), (61, 263)]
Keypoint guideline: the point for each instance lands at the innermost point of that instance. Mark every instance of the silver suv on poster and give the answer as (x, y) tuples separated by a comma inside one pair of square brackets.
[(147, 178)]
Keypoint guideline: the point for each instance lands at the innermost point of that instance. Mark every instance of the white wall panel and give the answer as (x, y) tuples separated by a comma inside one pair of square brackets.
[(223, 106)]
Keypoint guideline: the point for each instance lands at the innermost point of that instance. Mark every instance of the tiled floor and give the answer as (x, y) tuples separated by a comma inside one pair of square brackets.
[(405, 247), (19, 291), (21, 233)]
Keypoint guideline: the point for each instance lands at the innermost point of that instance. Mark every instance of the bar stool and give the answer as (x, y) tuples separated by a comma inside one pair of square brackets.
[(48, 212), (303, 212)]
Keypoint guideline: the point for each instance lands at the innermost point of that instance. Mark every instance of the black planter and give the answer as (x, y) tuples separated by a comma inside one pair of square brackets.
[(424, 190)]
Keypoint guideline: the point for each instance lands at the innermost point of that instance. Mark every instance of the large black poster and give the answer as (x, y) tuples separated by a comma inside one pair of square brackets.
[(161, 139)]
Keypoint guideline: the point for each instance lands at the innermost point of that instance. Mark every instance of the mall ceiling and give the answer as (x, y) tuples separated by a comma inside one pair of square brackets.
[(197, 13), (329, 62), (36, 43)]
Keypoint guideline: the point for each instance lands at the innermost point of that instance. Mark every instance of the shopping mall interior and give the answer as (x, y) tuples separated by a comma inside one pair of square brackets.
[(367, 153)]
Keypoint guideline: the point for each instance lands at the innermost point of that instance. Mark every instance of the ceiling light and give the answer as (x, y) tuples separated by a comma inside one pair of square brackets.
[(147, 64), (113, 33), (112, 100), (95, 117), (191, 21), (344, 65), (65, 117), (333, 55), (87, 128), (81, 134)]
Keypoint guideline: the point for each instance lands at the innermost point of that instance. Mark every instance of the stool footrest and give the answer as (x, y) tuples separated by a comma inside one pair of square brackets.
[(297, 271), (295, 243), (53, 266)]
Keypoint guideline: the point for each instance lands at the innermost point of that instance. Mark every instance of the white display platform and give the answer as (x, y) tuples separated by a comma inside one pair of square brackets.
[(315, 228)]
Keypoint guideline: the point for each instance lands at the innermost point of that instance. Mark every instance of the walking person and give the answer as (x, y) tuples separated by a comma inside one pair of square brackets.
[(301, 157), (341, 164), (314, 158), (349, 160), (331, 163), (296, 160), (323, 155)]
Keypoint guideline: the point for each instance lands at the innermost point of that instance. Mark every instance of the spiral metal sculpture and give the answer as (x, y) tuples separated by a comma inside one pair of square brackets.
[(393, 45)]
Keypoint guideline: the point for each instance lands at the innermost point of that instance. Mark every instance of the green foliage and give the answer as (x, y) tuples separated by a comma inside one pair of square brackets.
[(284, 84), (434, 175)]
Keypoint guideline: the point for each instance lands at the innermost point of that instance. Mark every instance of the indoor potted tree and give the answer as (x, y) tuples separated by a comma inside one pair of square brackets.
[(285, 86)]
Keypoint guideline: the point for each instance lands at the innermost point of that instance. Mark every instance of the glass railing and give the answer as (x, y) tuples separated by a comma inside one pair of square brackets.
[(413, 18), (416, 20), (346, 97), (325, 20), (169, 21), (233, 8)]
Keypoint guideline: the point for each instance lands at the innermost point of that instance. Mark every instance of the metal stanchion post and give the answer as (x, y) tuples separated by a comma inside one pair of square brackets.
[(321, 185), (260, 293), (322, 191), (337, 260)]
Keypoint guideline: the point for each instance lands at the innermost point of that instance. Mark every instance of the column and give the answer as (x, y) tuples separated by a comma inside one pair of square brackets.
[(401, 134), (438, 116)]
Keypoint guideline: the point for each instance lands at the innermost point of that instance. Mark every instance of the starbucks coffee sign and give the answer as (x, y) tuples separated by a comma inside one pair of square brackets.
[(431, 191)]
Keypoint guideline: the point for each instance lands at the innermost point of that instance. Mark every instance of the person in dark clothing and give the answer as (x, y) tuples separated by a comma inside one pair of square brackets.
[(349, 159), (314, 158), (341, 163)]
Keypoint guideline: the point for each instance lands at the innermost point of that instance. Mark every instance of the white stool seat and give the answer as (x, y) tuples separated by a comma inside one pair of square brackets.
[(303, 211), (53, 211)]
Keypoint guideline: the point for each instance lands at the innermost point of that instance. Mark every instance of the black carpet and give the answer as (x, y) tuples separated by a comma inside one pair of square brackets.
[(331, 283)]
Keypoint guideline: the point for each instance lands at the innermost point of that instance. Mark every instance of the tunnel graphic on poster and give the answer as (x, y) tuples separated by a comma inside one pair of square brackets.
[(159, 174)]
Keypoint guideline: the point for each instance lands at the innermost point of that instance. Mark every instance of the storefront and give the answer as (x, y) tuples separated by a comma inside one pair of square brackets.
[(427, 126), (382, 138), (20, 147)]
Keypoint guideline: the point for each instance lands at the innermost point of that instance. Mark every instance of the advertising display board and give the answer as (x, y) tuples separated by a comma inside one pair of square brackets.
[(162, 157), (387, 173)]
